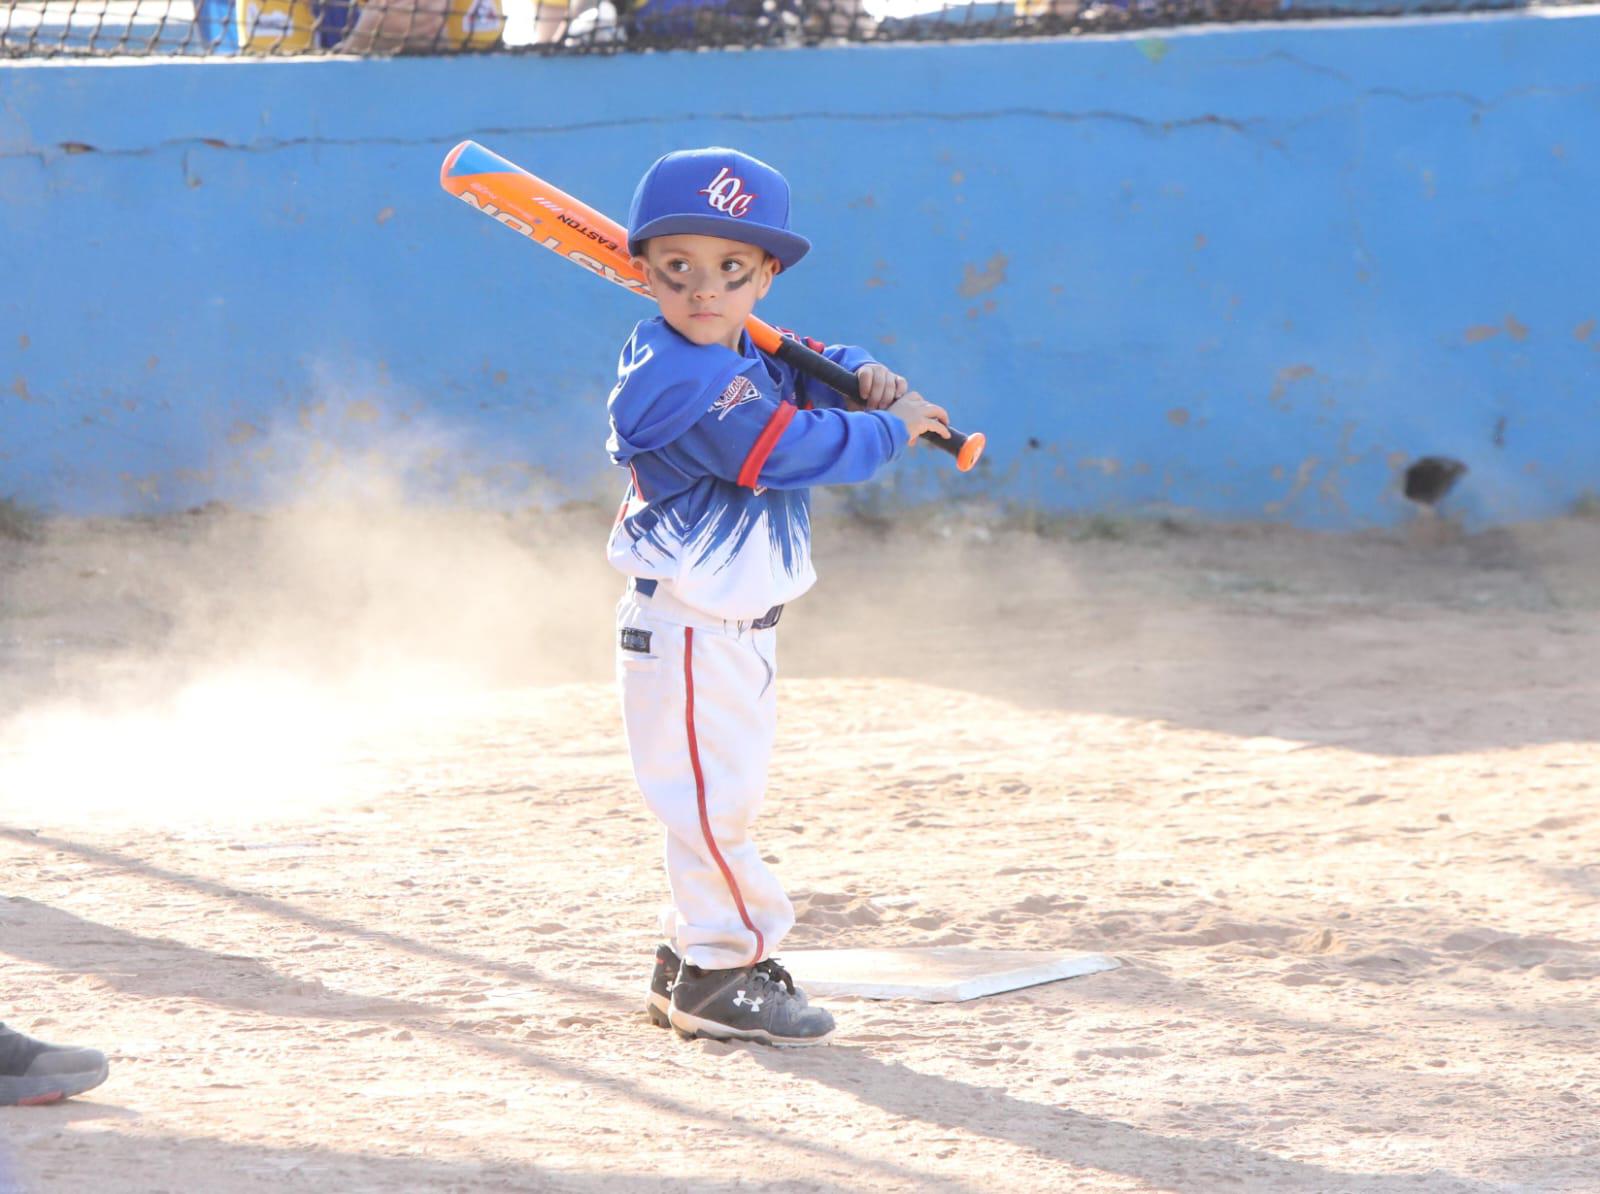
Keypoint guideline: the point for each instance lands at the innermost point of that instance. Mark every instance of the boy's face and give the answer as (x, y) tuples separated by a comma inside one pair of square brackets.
[(706, 285)]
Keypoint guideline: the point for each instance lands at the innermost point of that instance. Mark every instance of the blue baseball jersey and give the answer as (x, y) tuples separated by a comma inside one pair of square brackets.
[(722, 448)]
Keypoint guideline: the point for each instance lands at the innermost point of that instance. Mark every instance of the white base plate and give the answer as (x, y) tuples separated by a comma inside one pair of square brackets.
[(935, 973)]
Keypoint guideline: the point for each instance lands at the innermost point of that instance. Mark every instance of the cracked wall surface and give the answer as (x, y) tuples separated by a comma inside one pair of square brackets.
[(1250, 272)]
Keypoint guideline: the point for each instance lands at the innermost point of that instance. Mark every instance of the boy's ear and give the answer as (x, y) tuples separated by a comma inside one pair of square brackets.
[(768, 269)]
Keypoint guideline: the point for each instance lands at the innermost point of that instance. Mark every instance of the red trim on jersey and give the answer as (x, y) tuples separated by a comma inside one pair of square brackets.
[(700, 791), (750, 470), (627, 498)]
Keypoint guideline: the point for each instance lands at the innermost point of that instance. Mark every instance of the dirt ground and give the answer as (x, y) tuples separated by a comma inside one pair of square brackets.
[(320, 824)]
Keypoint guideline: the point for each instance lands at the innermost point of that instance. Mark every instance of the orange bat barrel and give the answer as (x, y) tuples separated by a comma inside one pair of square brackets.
[(550, 217), (544, 214)]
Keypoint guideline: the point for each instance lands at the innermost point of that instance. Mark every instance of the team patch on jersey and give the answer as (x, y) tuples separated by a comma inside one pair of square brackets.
[(634, 639), (740, 390)]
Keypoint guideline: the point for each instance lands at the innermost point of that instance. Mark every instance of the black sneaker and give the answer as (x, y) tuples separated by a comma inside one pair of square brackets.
[(33, 1072), (751, 1003), (665, 975), (662, 979)]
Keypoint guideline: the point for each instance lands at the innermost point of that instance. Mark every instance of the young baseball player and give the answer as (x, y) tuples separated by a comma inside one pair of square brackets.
[(722, 444)]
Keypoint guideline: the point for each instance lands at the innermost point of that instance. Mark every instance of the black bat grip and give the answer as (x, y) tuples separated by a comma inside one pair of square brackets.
[(965, 448)]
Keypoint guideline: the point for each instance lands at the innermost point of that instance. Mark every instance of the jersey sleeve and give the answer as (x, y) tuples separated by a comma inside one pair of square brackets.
[(776, 445)]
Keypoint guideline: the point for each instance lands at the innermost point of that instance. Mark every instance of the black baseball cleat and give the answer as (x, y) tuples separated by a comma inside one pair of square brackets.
[(665, 974), (662, 978), (751, 1003), (32, 1072)]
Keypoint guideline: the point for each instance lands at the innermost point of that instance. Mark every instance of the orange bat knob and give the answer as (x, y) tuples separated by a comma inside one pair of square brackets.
[(970, 451)]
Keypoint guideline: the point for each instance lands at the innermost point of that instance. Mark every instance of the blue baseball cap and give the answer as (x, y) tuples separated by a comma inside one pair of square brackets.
[(715, 192)]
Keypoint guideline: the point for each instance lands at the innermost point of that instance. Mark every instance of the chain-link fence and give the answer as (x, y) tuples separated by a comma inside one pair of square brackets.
[(45, 28)]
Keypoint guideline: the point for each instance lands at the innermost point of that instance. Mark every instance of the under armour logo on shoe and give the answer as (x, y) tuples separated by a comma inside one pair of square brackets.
[(753, 1004)]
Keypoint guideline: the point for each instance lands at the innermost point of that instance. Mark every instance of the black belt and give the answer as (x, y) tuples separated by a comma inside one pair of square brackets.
[(646, 587)]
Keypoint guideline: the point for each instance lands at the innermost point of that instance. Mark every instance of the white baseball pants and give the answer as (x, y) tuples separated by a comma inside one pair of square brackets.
[(700, 709)]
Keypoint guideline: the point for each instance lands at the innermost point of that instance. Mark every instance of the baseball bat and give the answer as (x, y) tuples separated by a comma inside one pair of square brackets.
[(550, 217)]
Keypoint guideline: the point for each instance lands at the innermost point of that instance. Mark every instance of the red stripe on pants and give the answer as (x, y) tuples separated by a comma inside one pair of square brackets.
[(700, 791)]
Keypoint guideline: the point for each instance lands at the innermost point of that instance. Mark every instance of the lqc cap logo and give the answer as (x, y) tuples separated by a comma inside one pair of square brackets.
[(727, 194)]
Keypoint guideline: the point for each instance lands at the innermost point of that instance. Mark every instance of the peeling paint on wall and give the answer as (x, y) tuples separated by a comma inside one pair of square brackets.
[(1287, 377), (1302, 480), (975, 281)]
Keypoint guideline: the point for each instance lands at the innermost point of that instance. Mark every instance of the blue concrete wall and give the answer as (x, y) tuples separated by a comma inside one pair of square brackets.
[(1249, 272)]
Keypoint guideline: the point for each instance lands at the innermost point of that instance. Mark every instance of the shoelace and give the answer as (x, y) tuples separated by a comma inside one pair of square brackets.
[(772, 970)]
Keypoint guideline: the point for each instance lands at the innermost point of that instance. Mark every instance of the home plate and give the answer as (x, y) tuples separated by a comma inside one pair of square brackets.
[(934, 973)]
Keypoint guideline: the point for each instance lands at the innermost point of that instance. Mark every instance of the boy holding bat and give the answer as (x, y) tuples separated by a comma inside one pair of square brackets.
[(722, 444)]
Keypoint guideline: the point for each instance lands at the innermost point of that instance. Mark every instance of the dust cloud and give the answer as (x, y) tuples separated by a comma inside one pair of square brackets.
[(230, 664), (225, 663)]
